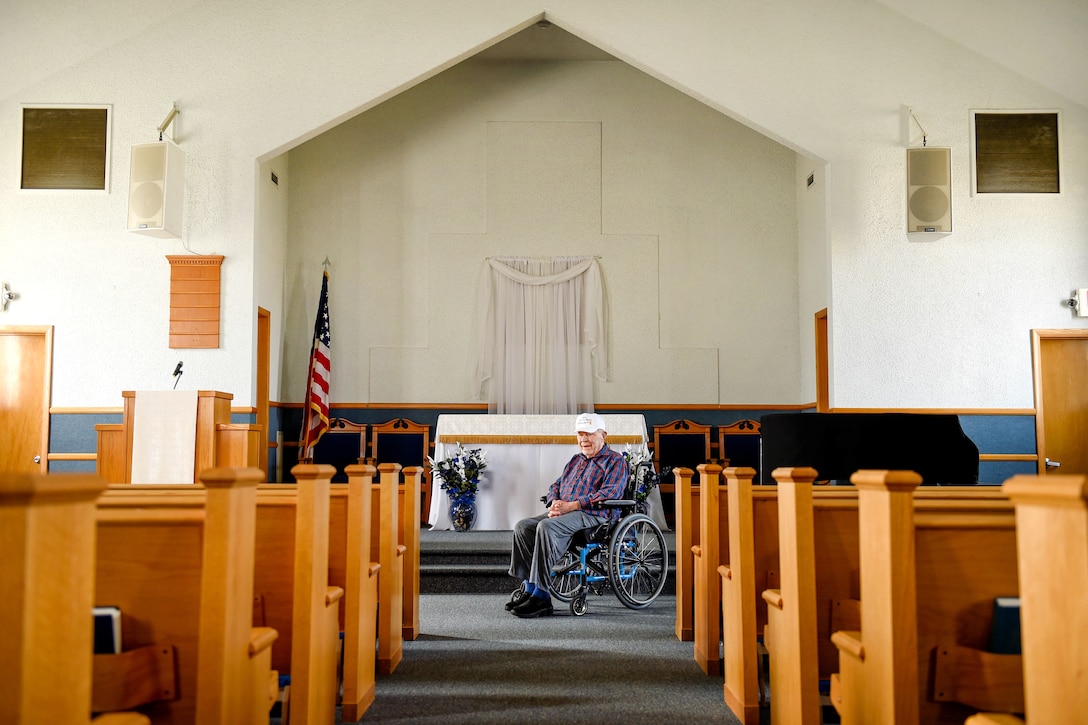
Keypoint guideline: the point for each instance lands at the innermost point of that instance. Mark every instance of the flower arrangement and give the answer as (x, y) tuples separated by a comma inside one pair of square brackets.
[(643, 477), (460, 473)]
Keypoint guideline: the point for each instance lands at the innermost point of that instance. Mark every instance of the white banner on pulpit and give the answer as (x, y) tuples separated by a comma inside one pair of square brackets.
[(164, 436)]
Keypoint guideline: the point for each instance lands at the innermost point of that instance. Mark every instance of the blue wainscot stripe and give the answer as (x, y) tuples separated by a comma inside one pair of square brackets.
[(75, 433), (72, 466), (1014, 434), (995, 473)]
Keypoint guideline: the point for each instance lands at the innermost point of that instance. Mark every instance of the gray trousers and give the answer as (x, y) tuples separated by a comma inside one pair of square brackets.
[(540, 541)]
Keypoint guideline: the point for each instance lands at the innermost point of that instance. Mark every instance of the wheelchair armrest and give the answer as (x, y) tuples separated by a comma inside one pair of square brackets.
[(615, 503)]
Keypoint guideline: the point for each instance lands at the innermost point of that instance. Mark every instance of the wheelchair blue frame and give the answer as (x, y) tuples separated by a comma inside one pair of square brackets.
[(629, 556)]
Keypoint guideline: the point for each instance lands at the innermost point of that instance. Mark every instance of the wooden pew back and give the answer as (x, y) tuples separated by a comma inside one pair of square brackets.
[(930, 570), (755, 567), (351, 568), (179, 565)]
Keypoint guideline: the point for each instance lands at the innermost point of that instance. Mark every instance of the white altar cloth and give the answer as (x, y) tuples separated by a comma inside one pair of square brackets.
[(525, 454)]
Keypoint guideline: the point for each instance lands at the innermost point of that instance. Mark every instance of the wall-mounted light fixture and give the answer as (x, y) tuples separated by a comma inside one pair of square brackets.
[(6, 295), (1079, 302)]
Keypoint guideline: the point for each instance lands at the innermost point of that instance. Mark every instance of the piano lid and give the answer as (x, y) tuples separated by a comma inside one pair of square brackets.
[(933, 445)]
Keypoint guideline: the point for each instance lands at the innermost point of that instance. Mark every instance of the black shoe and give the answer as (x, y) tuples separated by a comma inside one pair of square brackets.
[(518, 597), (534, 607)]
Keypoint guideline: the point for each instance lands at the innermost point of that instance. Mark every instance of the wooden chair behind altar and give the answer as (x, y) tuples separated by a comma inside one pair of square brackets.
[(408, 443), (679, 444), (342, 445), (739, 445)]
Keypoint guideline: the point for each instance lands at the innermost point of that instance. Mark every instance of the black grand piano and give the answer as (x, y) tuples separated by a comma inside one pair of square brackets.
[(836, 444)]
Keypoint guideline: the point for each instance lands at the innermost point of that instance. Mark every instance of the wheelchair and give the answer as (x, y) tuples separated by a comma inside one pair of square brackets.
[(628, 556)]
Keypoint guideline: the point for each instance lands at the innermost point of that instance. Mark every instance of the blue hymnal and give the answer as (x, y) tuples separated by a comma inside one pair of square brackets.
[(107, 630), (1005, 631)]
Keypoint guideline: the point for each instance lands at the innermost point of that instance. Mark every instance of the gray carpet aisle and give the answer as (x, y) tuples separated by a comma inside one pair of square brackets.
[(475, 663)]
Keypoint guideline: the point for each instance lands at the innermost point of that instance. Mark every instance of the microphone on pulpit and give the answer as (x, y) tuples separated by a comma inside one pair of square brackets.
[(177, 374)]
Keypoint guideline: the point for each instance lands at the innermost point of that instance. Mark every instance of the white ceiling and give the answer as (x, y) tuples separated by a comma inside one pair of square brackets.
[(39, 38), (1031, 38)]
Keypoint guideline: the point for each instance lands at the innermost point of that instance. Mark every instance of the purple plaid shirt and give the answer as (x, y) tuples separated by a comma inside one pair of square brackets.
[(587, 480)]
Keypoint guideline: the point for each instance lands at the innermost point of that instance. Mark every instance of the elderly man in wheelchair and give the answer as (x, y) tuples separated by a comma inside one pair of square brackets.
[(591, 538)]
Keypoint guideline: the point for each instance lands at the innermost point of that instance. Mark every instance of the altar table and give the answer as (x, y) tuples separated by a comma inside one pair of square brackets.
[(525, 454)]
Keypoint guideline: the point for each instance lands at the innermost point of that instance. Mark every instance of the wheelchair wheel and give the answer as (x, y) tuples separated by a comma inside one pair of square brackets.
[(579, 606), (638, 561), (565, 586)]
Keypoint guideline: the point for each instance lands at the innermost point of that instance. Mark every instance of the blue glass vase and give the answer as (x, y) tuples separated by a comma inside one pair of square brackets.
[(463, 514)]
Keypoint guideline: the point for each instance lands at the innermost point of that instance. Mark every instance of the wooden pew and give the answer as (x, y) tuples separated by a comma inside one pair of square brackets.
[(350, 567), (753, 523), (929, 575), (180, 568), (1052, 551), (48, 535)]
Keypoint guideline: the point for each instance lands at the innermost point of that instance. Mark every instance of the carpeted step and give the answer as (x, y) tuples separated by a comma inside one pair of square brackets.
[(474, 562)]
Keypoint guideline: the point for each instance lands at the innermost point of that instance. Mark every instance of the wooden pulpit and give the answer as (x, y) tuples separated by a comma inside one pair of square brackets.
[(217, 441)]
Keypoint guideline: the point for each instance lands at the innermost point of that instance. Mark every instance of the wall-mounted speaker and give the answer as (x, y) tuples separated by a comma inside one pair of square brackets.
[(929, 189), (156, 187)]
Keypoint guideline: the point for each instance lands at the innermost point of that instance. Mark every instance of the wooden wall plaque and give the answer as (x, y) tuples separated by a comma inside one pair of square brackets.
[(194, 300)]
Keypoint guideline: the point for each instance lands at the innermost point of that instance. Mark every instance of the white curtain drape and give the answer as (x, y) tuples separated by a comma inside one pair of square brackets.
[(542, 334)]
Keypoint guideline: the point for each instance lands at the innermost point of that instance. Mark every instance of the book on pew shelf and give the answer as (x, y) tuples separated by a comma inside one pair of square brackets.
[(1005, 630), (107, 631)]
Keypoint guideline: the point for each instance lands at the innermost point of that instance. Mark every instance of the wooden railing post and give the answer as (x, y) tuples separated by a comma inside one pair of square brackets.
[(310, 702), (686, 537), (708, 601), (1052, 549), (887, 648), (790, 636), (390, 579), (409, 536), (361, 600), (738, 583), (48, 534), (223, 688)]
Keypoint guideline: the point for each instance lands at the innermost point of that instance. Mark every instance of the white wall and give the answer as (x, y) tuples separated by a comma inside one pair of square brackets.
[(269, 266), (940, 324), (692, 214)]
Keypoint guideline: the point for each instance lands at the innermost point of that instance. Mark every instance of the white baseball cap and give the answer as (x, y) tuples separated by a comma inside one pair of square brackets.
[(589, 423)]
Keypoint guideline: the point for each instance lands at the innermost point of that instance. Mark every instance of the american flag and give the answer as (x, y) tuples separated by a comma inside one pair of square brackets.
[(315, 416)]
